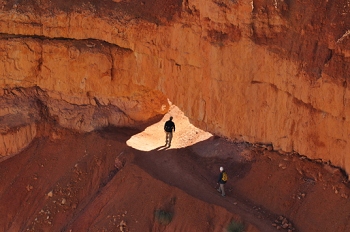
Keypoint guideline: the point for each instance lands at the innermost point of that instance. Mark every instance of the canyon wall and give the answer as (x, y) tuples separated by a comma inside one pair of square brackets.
[(262, 71)]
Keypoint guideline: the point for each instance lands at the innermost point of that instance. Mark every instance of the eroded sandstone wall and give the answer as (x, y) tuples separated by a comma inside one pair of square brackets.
[(262, 71)]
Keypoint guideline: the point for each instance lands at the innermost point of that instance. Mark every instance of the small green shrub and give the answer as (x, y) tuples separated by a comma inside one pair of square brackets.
[(235, 227), (163, 217)]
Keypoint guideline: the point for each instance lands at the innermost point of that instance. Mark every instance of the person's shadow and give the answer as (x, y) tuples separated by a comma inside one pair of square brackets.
[(161, 148)]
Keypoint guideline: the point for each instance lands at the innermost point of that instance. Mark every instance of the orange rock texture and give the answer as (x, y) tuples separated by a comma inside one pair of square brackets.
[(262, 71)]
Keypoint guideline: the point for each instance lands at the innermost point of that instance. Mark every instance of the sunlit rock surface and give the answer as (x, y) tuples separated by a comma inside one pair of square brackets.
[(259, 71)]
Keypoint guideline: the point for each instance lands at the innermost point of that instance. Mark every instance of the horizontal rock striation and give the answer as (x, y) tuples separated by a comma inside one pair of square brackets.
[(262, 71)]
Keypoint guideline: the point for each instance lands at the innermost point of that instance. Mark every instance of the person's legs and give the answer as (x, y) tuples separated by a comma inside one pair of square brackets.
[(170, 137), (222, 188), (166, 138)]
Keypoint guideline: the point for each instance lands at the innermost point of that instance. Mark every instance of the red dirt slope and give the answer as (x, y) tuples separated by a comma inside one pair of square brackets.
[(116, 178)]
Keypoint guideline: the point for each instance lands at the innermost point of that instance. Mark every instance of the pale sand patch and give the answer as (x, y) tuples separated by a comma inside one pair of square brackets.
[(153, 137)]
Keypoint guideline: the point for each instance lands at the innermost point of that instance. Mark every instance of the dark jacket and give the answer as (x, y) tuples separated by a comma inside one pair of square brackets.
[(169, 126), (220, 181)]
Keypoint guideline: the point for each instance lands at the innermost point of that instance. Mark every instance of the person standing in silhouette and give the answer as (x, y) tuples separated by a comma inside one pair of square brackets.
[(169, 127)]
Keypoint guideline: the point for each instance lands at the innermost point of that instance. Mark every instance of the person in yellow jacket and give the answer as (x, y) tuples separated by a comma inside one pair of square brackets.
[(222, 181)]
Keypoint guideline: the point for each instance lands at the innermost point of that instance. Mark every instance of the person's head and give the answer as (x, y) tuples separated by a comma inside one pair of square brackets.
[(171, 118), (221, 169)]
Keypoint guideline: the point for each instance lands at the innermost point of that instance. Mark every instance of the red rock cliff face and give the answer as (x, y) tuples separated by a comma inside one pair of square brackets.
[(269, 71)]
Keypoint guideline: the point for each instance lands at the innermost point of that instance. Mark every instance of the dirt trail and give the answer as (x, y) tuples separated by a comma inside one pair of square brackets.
[(192, 163), (179, 168)]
